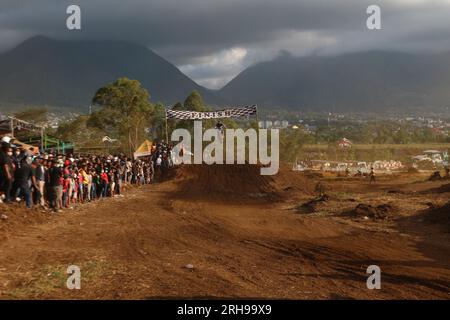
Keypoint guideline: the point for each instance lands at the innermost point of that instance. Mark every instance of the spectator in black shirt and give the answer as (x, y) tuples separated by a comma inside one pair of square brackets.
[(54, 180), (17, 157), (39, 177), (6, 170), (23, 178)]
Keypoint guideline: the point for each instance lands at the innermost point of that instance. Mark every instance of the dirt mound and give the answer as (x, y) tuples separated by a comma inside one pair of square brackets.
[(362, 210), (444, 188), (238, 182), (312, 205), (435, 176), (412, 170), (441, 189), (440, 215), (313, 174)]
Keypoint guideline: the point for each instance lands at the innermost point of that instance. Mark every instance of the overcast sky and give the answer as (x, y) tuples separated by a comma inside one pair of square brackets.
[(213, 40)]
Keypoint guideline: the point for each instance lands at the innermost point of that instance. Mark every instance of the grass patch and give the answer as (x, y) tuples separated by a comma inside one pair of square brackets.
[(51, 280)]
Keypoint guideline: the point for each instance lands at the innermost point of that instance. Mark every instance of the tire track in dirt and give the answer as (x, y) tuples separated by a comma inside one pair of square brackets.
[(138, 247)]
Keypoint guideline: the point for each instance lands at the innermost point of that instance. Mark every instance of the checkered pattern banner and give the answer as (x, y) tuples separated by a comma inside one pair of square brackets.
[(226, 113)]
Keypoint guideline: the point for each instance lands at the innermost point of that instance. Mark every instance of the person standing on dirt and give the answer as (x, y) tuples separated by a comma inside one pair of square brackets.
[(80, 186), (104, 182), (6, 170), (17, 157), (118, 181), (54, 179), (165, 163), (22, 178), (66, 190), (128, 170), (320, 189), (39, 174), (89, 185), (158, 167), (372, 175), (36, 195), (85, 182), (95, 184), (112, 181)]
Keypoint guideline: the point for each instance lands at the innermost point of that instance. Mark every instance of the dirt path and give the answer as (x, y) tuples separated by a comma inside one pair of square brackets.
[(138, 246)]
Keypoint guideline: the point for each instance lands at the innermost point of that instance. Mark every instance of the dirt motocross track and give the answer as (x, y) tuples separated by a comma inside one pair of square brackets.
[(227, 232)]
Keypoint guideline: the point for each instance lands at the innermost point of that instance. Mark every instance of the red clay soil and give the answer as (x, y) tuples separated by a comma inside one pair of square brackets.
[(382, 211), (138, 246), (15, 216), (439, 216), (441, 189), (235, 182)]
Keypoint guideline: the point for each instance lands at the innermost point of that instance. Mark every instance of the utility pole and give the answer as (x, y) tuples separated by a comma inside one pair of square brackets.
[(167, 132), (12, 127), (42, 139)]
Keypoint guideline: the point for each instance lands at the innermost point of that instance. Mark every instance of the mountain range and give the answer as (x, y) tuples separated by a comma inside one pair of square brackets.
[(375, 81), (44, 71), (62, 73)]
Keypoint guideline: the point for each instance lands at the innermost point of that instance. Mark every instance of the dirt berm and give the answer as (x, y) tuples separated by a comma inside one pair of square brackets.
[(240, 181)]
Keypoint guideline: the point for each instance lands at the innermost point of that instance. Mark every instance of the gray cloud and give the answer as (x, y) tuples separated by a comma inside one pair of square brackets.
[(213, 40)]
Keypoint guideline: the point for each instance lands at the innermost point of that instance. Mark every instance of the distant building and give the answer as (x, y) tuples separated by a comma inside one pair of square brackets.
[(278, 124), (310, 128), (344, 143)]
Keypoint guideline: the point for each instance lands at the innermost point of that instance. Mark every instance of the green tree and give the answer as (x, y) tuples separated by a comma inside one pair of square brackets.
[(178, 106), (158, 122), (126, 112), (78, 132), (402, 136), (291, 143), (194, 102)]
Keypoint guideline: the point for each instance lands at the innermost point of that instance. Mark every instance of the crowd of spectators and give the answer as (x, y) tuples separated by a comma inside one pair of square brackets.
[(56, 181)]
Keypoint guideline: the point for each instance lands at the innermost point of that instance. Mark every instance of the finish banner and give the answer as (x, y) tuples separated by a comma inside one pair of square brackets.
[(226, 113)]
